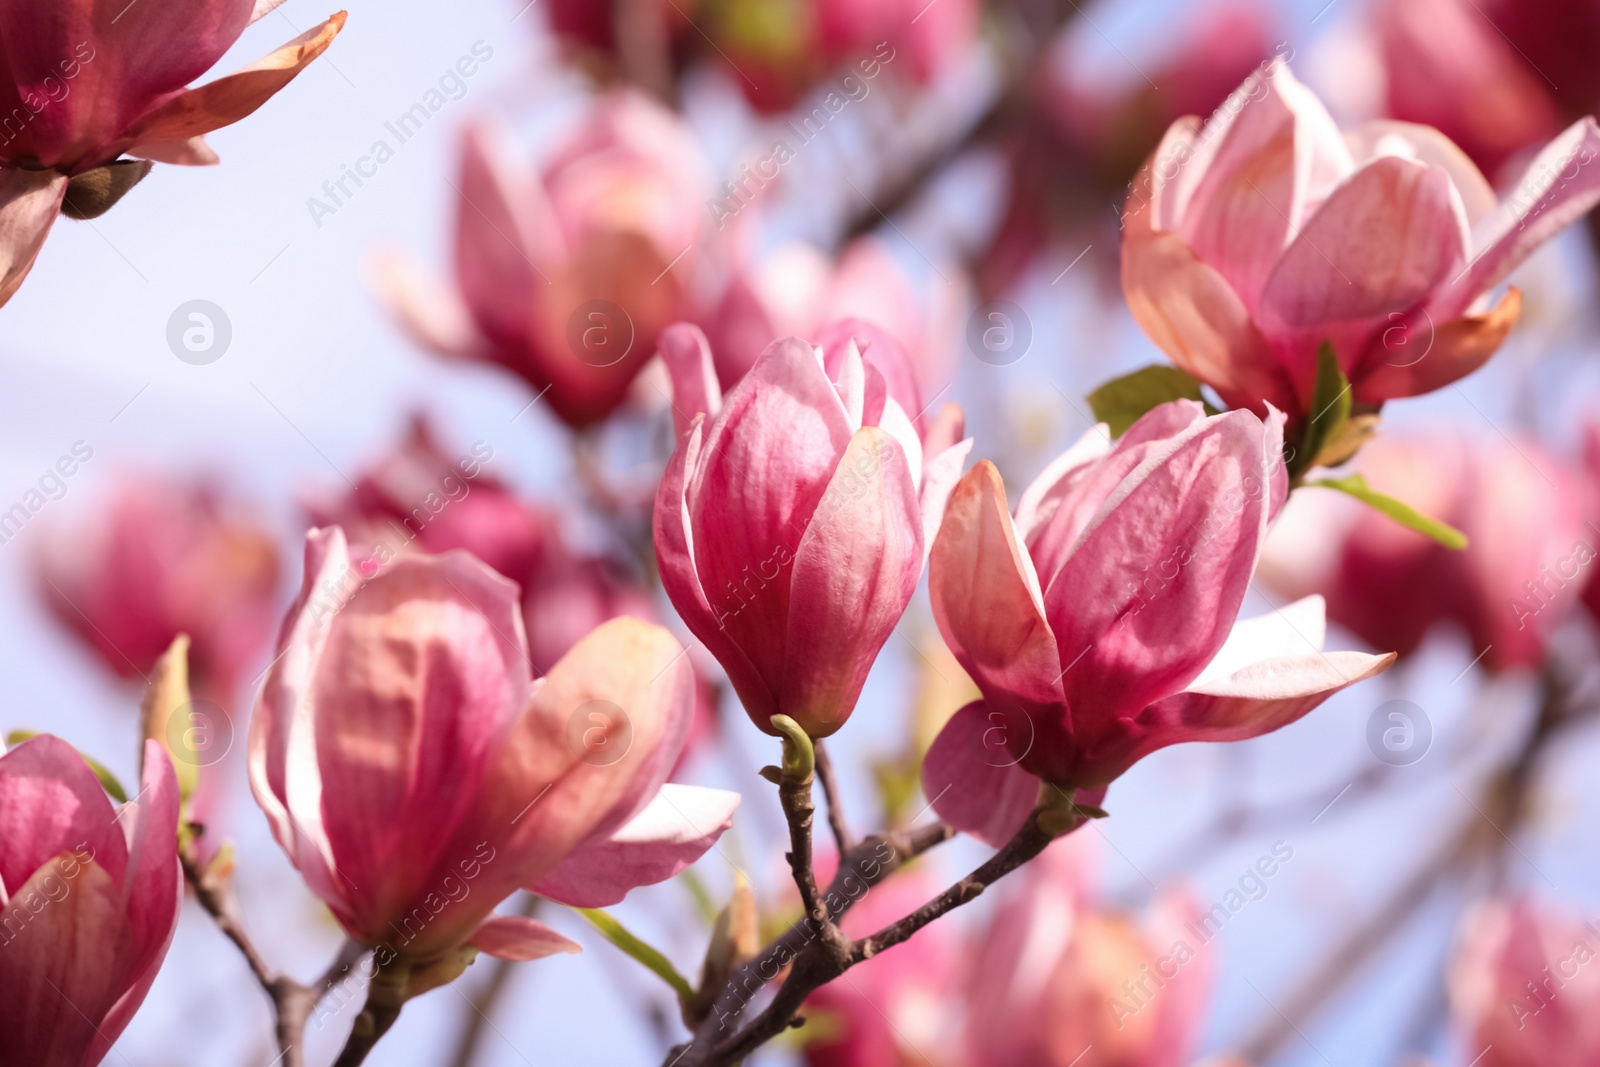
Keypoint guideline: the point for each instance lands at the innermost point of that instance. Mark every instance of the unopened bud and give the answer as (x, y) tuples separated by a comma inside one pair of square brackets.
[(95, 192), (734, 942), (167, 698)]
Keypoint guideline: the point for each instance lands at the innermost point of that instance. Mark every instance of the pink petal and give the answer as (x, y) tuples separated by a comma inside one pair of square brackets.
[(1043, 496), (1560, 186), (1271, 156), (940, 473), (676, 828), (673, 536), (1254, 700), (183, 152), (505, 229), (550, 790), (1060, 511), (1436, 354), (114, 63), (1380, 243), (1192, 314), (1427, 145), (1148, 596), (855, 569), (986, 597), (65, 968), (227, 100), (50, 803), (516, 937), (768, 458), (29, 203), (154, 887), (973, 780), (429, 309), (882, 351), (421, 673), (695, 390)]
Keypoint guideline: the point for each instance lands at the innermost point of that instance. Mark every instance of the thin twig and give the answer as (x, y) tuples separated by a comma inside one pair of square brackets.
[(830, 793), (292, 1002), (821, 962)]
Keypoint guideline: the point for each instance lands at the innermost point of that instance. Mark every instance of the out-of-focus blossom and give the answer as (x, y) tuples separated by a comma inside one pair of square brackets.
[(790, 525), (566, 275), (1099, 623), (89, 900), (163, 558), (416, 774), (934, 36), (795, 292), (593, 26), (1525, 986), (1056, 981), (1528, 551), (894, 1009), (86, 82), (1446, 65), (1254, 238)]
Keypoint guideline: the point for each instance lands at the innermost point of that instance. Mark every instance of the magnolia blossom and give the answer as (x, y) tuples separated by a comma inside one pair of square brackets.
[(1525, 986), (89, 900), (1099, 621), (159, 559), (566, 274), (1530, 549), (416, 775), (797, 292), (86, 82), (1254, 238), (1055, 981), (791, 523)]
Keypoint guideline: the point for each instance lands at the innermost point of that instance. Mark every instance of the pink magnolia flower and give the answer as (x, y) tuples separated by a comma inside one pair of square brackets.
[(86, 82), (1254, 238), (791, 523), (1528, 555), (1446, 65), (935, 36), (1055, 981), (163, 558), (894, 1009), (797, 292), (566, 275), (416, 775), (1525, 986), (1099, 622), (89, 900)]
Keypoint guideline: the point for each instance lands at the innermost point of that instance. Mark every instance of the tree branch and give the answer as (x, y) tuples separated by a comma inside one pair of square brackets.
[(830, 793), (292, 1003), (816, 965)]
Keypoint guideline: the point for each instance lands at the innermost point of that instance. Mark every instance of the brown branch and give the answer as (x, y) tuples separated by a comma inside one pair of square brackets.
[(821, 961), (830, 793), (385, 997), (798, 809), (860, 869), (292, 1002)]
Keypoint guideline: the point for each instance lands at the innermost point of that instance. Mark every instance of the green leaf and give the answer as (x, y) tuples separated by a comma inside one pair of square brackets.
[(1401, 512), (108, 781), (1330, 409), (1122, 401), (618, 935)]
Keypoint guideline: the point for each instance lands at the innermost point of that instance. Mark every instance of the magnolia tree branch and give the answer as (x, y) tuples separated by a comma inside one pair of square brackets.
[(292, 1002), (816, 953), (830, 794), (820, 962)]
